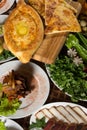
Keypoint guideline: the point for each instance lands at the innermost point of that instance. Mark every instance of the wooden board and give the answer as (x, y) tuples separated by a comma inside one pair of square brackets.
[(52, 45)]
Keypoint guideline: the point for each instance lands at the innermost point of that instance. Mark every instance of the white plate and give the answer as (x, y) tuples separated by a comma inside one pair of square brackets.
[(38, 96), (3, 18), (10, 124), (33, 119), (6, 6), (8, 59)]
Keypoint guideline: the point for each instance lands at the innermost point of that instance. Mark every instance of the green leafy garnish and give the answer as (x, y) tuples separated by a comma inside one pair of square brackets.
[(73, 42), (40, 123), (2, 126), (8, 107), (69, 77), (5, 55)]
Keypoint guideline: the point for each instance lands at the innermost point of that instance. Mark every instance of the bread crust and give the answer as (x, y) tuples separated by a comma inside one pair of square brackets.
[(23, 31), (59, 17)]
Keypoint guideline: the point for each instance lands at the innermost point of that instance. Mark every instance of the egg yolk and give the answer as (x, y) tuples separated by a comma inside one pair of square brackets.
[(21, 28)]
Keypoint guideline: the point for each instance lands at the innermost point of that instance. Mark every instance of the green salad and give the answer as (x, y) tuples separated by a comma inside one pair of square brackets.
[(4, 52), (69, 71), (5, 55), (2, 126), (7, 107)]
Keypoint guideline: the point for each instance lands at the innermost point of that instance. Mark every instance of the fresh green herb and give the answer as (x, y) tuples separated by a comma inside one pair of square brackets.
[(73, 42), (8, 107), (5, 55), (40, 123), (69, 77), (82, 39), (2, 126)]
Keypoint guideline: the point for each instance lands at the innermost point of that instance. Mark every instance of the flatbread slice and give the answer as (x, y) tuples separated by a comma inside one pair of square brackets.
[(60, 17), (23, 31), (39, 5)]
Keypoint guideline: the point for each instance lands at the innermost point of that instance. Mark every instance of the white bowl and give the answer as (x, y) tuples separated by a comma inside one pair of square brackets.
[(10, 124)]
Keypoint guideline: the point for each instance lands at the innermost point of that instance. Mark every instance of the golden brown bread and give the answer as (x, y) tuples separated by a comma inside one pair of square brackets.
[(59, 17), (66, 113), (23, 31), (39, 5)]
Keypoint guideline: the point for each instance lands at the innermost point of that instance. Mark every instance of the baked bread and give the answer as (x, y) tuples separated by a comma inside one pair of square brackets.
[(60, 17), (39, 6), (23, 31)]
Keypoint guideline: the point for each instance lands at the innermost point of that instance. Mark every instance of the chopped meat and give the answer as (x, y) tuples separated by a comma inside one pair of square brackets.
[(15, 84), (50, 124), (57, 125), (72, 127), (79, 126), (54, 124)]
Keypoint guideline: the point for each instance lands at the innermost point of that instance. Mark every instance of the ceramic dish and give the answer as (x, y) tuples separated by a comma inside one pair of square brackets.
[(10, 124), (38, 96), (8, 59), (8, 4), (56, 104)]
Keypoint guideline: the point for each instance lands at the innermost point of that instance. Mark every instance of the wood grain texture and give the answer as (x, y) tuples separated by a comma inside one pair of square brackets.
[(52, 45)]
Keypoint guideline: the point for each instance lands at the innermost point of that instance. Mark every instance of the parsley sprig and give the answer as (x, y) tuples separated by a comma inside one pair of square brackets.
[(69, 77), (40, 123)]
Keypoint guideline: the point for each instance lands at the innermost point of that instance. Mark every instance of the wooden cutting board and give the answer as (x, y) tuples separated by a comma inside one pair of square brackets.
[(52, 45)]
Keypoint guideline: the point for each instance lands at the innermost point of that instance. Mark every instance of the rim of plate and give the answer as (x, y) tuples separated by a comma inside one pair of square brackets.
[(10, 123), (6, 6)]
